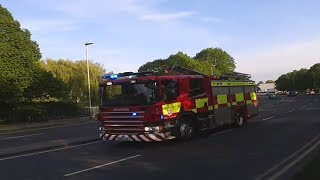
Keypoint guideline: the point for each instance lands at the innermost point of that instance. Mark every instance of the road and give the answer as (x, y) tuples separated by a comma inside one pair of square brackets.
[(270, 146), (84, 128)]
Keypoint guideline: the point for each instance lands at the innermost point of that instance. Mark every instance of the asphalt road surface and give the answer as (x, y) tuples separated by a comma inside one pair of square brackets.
[(272, 146), (87, 129)]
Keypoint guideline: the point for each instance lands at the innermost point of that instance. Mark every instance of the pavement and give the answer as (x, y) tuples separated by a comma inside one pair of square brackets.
[(273, 145)]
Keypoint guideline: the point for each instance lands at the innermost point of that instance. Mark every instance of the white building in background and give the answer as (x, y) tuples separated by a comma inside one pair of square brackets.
[(267, 87)]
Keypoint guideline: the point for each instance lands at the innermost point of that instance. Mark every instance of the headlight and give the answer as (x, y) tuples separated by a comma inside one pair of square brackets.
[(101, 128), (155, 128), (147, 129)]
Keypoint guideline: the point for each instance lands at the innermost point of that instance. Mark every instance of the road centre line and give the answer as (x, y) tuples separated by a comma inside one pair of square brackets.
[(16, 137), (275, 167), (264, 119), (47, 151), (291, 110), (103, 165), (276, 104), (35, 129), (312, 108)]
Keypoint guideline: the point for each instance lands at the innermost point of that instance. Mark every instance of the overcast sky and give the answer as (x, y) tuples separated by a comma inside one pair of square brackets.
[(266, 38)]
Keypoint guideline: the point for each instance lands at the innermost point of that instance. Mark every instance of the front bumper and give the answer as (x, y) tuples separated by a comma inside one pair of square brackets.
[(154, 137)]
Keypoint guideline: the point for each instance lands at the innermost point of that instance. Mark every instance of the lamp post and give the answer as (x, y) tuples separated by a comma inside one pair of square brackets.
[(88, 76)]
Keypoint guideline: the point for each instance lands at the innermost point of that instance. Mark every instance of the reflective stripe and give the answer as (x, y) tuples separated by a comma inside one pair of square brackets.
[(249, 102), (253, 96), (194, 110), (154, 137), (201, 102), (216, 106), (144, 138), (234, 103), (232, 84), (239, 97), (168, 109), (222, 99), (210, 108)]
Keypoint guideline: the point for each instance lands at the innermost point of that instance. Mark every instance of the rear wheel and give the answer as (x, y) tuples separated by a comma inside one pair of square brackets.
[(239, 120)]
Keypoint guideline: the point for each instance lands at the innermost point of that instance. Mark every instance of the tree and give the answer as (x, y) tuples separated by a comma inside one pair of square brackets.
[(18, 57), (158, 65), (46, 88), (74, 75), (205, 62), (219, 58), (300, 80)]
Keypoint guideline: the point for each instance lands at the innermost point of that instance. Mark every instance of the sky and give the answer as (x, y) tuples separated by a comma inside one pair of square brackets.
[(266, 38)]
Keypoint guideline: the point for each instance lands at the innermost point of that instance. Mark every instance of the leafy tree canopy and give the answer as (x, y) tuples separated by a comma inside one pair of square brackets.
[(206, 61), (300, 80), (18, 57), (74, 75)]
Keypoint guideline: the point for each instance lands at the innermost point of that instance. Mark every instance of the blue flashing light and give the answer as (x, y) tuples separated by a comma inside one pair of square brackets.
[(134, 114), (105, 77), (114, 76)]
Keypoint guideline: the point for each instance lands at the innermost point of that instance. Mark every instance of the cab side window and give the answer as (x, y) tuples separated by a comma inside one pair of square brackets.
[(170, 90), (195, 87)]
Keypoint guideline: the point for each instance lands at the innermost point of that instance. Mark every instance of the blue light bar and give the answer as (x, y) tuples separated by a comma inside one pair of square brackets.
[(105, 77), (114, 76), (134, 114)]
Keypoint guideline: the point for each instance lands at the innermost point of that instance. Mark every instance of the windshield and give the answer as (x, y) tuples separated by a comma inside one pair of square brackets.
[(128, 94)]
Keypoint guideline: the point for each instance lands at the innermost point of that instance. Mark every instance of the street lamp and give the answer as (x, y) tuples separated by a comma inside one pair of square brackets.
[(88, 75)]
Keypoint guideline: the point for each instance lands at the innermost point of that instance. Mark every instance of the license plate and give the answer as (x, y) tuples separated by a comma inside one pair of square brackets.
[(123, 138)]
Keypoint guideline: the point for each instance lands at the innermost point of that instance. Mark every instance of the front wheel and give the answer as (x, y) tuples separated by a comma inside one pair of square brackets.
[(185, 129)]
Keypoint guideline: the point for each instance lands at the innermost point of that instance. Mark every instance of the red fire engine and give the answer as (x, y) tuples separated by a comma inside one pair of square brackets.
[(150, 107)]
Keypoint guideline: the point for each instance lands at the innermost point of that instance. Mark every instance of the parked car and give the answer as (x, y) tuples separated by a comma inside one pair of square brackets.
[(272, 96)]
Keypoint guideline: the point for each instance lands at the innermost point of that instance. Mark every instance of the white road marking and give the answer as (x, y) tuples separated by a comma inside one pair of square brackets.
[(312, 108), (276, 104), (264, 119), (53, 150), (291, 110), (107, 164), (15, 137), (221, 132), (295, 161), (262, 176), (35, 129), (304, 106)]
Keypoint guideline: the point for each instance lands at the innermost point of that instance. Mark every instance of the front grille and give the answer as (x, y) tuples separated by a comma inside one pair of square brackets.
[(123, 122)]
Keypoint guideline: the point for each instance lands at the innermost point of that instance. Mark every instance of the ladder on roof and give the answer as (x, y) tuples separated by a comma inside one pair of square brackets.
[(228, 76), (236, 76)]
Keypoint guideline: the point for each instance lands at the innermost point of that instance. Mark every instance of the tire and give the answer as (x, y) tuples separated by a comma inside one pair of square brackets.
[(239, 120), (185, 129)]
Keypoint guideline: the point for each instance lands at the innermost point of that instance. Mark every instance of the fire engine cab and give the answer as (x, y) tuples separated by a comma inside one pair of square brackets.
[(150, 107)]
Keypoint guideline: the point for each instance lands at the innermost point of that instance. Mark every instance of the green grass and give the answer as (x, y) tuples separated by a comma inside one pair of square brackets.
[(311, 171)]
